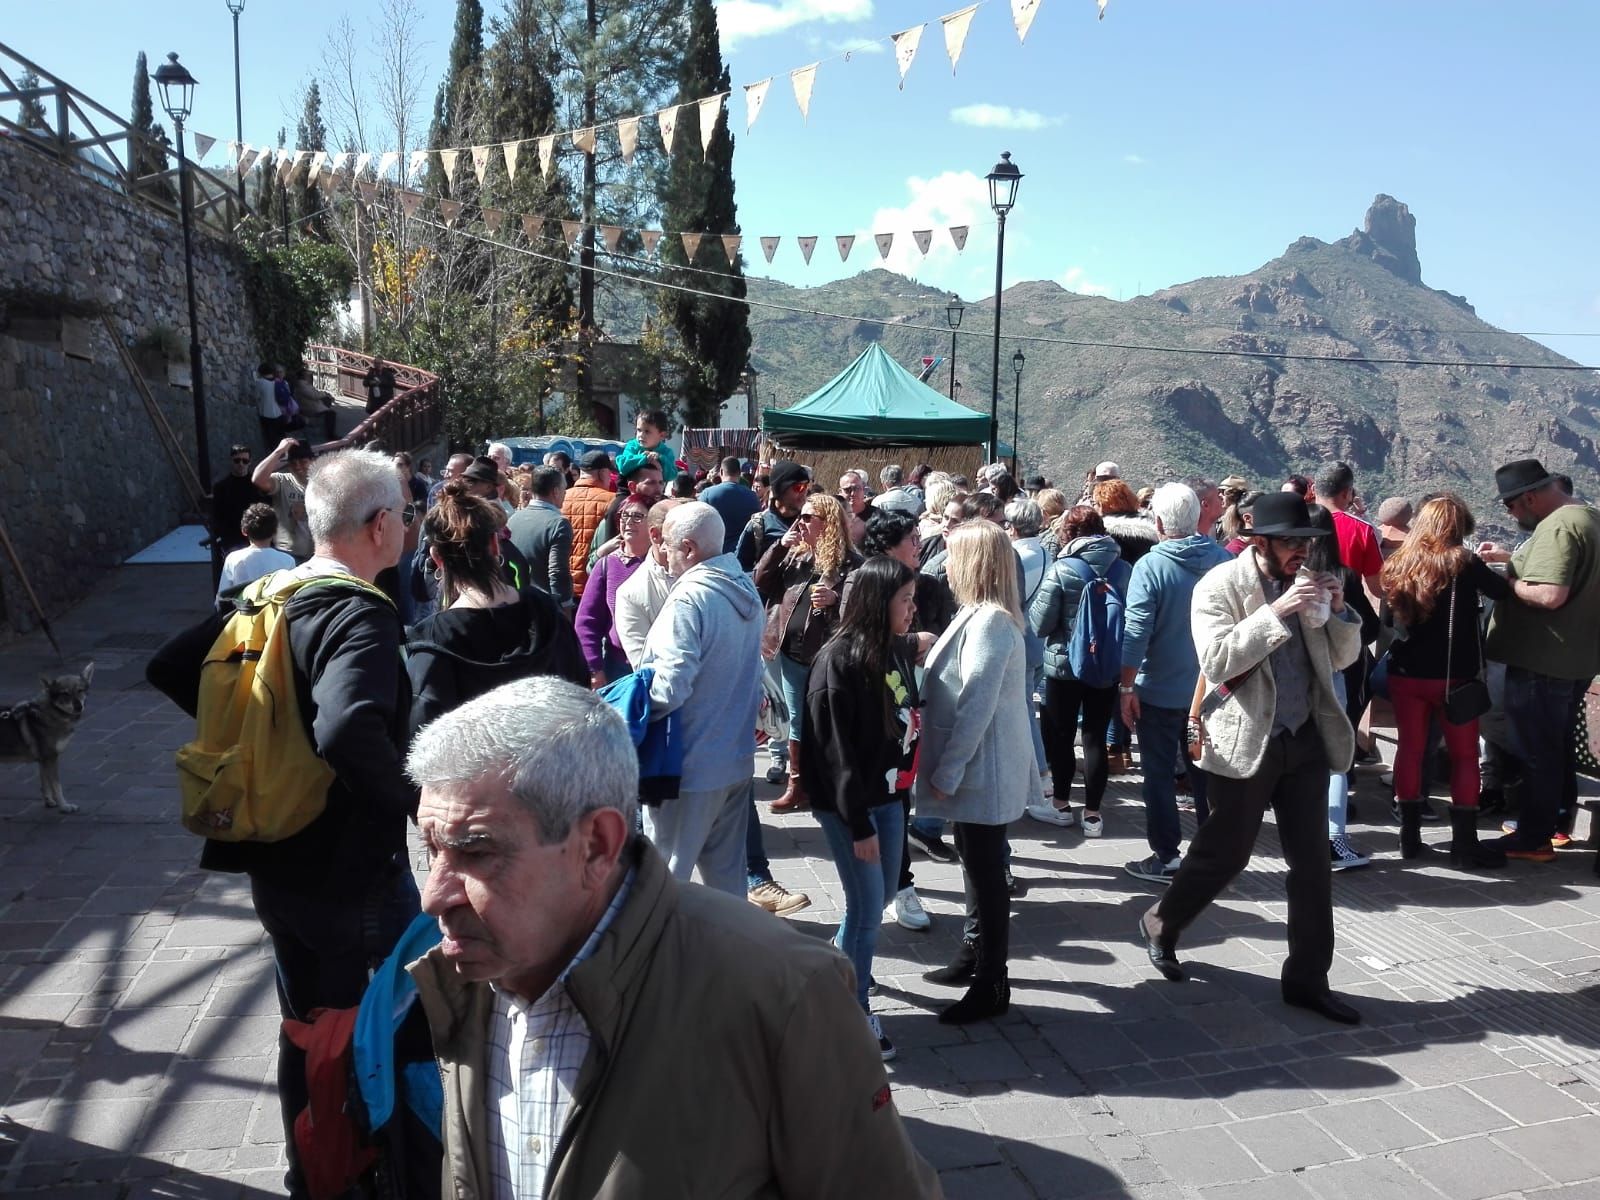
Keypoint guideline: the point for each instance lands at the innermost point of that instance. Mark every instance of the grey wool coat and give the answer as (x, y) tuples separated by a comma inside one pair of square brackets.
[(976, 745), (1234, 629)]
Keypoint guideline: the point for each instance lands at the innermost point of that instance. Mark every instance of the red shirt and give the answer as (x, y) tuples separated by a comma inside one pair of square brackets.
[(1358, 544)]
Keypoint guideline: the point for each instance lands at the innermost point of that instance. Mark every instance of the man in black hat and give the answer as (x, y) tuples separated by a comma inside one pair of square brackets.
[(1549, 642), (1269, 641)]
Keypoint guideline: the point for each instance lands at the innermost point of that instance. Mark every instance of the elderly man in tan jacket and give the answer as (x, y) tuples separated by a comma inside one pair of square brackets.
[(1270, 639), (603, 1030)]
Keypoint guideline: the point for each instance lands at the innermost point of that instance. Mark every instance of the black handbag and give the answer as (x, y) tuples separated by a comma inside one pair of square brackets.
[(1471, 700)]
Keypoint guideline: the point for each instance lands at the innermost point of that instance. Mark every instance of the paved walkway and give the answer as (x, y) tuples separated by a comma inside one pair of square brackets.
[(137, 1017)]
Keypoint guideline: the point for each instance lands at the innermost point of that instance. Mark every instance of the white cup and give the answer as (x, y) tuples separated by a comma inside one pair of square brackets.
[(1315, 615)]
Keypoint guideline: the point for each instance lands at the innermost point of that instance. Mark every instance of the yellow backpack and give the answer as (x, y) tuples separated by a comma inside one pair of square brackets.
[(251, 773)]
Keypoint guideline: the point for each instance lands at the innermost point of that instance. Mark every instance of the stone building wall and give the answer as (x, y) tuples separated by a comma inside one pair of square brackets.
[(83, 481)]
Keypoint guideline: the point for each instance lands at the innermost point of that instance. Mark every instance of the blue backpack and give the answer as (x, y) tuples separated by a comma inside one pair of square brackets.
[(1094, 647)]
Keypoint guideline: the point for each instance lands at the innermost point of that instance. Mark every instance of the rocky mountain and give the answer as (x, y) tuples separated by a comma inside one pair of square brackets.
[(1368, 374)]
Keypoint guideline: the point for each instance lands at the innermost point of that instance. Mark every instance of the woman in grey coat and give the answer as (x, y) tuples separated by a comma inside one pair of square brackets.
[(977, 765)]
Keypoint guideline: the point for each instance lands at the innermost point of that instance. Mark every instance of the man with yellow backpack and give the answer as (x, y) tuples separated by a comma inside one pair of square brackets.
[(296, 774)]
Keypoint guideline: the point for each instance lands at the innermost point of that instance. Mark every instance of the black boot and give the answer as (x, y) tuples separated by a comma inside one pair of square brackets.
[(984, 999), (1465, 849), (1410, 828), (962, 968)]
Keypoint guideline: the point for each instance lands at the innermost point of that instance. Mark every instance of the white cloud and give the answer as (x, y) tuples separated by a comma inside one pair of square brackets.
[(1133, 160), (860, 45), (1074, 281), (1001, 116), (952, 198), (743, 20)]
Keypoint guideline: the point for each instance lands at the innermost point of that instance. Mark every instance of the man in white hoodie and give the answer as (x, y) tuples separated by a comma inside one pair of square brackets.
[(705, 650)]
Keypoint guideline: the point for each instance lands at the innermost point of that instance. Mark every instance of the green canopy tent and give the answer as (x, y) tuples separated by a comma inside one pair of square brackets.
[(874, 402)]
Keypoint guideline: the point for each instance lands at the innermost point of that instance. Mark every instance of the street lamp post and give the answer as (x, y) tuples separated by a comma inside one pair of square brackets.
[(1003, 181), (236, 7), (177, 97), (748, 377), (1016, 408), (952, 315)]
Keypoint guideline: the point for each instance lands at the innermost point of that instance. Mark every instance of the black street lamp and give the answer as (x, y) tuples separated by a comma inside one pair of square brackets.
[(177, 97), (1003, 181), (1016, 408), (952, 315), (236, 7), (748, 377)]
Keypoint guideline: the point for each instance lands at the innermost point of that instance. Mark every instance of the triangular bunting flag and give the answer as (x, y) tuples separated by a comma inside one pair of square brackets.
[(612, 236), (247, 159), (667, 118), (571, 231), (419, 159), (583, 139), (511, 150), (447, 160), (234, 150), (884, 240), (325, 180), (1102, 13), (547, 153), (285, 165), (769, 246), (803, 78), (691, 244), (302, 161), (652, 238), (410, 202), (493, 218), (807, 245), (628, 135), (730, 247), (390, 160), (755, 95), (845, 241), (342, 161), (533, 227), (923, 238), (315, 169), (202, 146), (710, 112), (480, 162), (449, 210), (368, 191), (905, 49), (958, 235), (955, 33), (1022, 15)]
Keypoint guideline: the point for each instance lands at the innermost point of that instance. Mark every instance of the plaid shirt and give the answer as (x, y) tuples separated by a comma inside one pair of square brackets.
[(534, 1055)]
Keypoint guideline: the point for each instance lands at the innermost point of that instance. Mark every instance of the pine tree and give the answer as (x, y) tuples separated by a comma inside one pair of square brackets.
[(715, 333), (30, 113), (311, 134), (461, 72)]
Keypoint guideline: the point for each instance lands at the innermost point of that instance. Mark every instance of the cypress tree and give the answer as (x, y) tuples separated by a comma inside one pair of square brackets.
[(30, 113), (714, 332), (466, 54), (146, 152), (311, 134)]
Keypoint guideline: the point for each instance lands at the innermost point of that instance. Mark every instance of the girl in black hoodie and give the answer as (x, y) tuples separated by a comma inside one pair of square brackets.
[(486, 633)]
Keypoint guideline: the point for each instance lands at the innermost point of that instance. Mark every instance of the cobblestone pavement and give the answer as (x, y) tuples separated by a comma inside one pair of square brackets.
[(137, 1016)]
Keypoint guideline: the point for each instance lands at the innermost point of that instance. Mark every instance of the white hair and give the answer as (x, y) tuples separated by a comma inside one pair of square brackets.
[(1025, 517), (937, 488), (561, 750), (695, 522), (1177, 508), (497, 448), (347, 490)]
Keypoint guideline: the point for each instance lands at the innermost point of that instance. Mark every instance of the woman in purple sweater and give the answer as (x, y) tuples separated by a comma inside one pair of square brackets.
[(596, 624)]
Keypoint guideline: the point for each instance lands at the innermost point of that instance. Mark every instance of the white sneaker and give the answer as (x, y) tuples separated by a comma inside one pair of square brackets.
[(1051, 815), (1093, 824), (908, 910)]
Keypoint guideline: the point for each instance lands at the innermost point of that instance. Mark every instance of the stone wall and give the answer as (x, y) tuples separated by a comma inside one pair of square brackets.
[(83, 481)]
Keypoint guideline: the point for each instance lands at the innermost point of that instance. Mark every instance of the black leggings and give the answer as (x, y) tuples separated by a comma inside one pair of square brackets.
[(983, 873), (1059, 723)]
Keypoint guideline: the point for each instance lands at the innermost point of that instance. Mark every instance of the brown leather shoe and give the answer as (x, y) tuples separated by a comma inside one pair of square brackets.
[(794, 797)]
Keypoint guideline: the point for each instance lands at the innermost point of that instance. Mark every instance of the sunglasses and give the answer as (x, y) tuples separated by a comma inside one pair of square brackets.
[(245, 459), (408, 514), (1290, 543), (810, 517)]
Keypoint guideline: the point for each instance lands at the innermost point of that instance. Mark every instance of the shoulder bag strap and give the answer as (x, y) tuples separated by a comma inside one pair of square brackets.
[(1450, 635)]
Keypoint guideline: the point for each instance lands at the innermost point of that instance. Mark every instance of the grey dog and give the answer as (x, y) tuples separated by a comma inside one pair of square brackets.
[(38, 730)]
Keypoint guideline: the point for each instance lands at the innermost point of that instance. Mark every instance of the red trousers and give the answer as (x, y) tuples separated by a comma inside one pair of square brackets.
[(1416, 701)]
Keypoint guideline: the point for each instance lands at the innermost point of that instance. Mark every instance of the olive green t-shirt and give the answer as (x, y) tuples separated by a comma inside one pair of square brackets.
[(1565, 643)]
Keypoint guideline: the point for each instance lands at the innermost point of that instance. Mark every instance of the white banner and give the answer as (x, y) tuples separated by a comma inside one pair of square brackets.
[(317, 159), (923, 238), (1022, 15), (667, 118), (480, 162), (803, 79), (1102, 14), (710, 112), (512, 149), (247, 159), (414, 168), (202, 146), (583, 139), (547, 153), (769, 246), (958, 235), (955, 33), (807, 245), (755, 95), (360, 168), (388, 162), (845, 241), (905, 49), (885, 241), (447, 160), (628, 136)]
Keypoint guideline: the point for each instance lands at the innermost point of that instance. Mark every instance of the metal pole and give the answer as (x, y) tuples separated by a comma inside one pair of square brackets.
[(238, 109), (202, 445), (952, 364), (1016, 406), (994, 373)]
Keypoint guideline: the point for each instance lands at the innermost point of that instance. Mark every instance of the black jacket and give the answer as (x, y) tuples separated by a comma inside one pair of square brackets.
[(356, 701), (852, 741), (464, 652)]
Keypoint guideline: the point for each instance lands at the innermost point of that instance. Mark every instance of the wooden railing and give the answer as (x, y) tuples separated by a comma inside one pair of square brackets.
[(99, 145), (413, 418)]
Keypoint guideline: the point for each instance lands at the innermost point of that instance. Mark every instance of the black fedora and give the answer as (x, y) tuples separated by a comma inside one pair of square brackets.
[(1282, 514), (1521, 476)]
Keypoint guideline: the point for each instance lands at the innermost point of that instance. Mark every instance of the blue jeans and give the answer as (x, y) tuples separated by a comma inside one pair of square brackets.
[(1161, 737), (1542, 711), (1338, 781), (757, 869), (777, 748), (867, 886), (793, 675)]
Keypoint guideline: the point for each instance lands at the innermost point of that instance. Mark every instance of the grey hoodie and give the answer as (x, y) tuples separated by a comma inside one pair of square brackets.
[(705, 647), (1055, 604)]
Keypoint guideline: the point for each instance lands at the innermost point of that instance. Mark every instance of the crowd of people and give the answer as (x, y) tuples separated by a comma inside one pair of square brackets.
[(591, 663)]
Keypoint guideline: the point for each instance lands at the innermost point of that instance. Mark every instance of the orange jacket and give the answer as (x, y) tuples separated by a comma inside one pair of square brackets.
[(585, 506)]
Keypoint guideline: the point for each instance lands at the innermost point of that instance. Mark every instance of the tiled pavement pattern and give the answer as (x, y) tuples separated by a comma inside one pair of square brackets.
[(137, 1016)]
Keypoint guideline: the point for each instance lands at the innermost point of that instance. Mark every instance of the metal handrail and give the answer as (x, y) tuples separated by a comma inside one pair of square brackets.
[(412, 418), (73, 136)]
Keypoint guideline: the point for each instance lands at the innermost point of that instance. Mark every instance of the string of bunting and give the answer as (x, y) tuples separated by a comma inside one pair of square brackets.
[(295, 163)]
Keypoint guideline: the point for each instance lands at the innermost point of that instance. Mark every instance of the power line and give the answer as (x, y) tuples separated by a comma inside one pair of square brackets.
[(1032, 338)]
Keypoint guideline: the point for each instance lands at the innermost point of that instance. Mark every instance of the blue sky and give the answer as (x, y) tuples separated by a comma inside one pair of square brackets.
[(1173, 139)]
